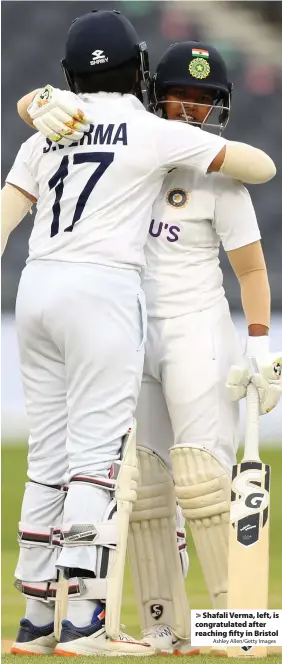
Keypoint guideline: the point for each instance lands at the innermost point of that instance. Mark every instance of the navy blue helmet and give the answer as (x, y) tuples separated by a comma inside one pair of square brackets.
[(195, 64), (102, 41)]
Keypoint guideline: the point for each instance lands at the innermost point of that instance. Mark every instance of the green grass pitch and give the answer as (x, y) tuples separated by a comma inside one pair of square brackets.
[(13, 479), (201, 659)]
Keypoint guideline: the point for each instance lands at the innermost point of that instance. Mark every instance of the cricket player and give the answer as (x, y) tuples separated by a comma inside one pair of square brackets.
[(186, 421), (80, 359)]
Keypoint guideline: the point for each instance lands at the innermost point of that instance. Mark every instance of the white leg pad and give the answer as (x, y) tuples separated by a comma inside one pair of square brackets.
[(203, 489), (157, 576), (104, 538), (107, 539)]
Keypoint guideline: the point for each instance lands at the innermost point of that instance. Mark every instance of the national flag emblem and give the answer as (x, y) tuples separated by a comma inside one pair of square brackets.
[(200, 52)]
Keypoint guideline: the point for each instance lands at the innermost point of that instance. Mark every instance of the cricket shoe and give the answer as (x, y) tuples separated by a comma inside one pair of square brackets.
[(32, 640), (165, 642), (92, 640)]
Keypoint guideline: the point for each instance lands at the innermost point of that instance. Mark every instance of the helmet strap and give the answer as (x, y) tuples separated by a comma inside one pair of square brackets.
[(69, 77)]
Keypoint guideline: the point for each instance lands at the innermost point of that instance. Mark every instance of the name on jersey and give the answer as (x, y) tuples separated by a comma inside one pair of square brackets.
[(99, 134), (156, 229)]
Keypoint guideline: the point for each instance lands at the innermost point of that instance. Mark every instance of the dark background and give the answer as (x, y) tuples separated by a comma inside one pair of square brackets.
[(33, 36)]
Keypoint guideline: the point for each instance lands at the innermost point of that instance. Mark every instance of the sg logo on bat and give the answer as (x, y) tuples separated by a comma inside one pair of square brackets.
[(250, 503), (254, 500)]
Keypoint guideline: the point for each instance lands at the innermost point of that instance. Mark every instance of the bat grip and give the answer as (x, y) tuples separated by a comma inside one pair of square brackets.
[(251, 452)]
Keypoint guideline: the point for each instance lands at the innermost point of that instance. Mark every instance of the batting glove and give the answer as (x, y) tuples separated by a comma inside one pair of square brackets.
[(56, 115), (267, 376)]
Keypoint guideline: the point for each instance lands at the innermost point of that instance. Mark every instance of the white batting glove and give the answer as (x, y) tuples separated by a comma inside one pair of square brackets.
[(55, 113), (267, 379)]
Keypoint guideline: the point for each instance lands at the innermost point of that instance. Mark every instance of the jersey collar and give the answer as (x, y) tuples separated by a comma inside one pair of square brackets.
[(113, 97)]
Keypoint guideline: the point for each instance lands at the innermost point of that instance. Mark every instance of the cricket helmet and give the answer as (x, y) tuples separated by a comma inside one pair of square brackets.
[(100, 41), (195, 64)]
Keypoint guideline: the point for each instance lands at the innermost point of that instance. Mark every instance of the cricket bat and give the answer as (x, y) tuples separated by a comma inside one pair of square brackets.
[(115, 577), (248, 560), (61, 604)]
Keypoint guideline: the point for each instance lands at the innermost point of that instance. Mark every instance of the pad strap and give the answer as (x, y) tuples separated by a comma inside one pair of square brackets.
[(86, 588), (78, 588), (29, 534), (101, 482), (58, 487), (43, 590)]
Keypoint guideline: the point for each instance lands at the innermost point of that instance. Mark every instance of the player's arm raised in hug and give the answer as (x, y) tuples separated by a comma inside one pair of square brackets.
[(51, 118), (55, 114), (15, 204), (15, 201)]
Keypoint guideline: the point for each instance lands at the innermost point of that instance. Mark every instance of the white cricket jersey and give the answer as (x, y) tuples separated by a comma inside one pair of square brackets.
[(192, 215), (95, 197)]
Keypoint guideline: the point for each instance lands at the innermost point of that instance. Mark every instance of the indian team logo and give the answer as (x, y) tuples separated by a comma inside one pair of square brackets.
[(177, 197), (199, 68)]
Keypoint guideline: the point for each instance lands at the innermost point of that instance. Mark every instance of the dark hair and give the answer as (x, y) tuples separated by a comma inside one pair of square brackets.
[(120, 79)]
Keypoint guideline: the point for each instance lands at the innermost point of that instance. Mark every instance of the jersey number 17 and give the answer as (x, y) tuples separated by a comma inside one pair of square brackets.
[(104, 159)]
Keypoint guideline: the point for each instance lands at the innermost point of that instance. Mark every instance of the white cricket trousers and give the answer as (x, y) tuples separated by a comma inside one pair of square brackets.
[(81, 332), (183, 397)]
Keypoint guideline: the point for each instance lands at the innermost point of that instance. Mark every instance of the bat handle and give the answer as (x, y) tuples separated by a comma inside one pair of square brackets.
[(251, 452)]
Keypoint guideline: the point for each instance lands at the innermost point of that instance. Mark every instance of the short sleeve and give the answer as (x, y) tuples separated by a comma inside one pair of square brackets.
[(180, 144), (20, 173), (235, 219)]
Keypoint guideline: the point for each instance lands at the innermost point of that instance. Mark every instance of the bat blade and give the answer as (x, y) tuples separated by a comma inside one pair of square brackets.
[(61, 605), (248, 559)]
